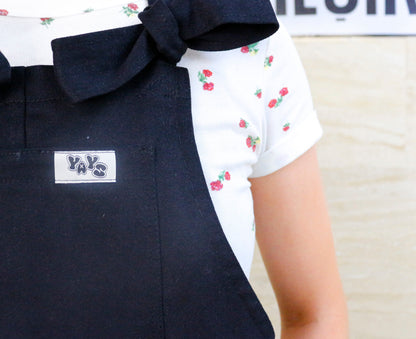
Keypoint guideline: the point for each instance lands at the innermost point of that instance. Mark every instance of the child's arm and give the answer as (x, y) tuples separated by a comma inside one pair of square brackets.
[(295, 240)]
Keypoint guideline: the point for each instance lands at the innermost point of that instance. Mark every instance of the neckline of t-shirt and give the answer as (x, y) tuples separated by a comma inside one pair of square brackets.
[(60, 8)]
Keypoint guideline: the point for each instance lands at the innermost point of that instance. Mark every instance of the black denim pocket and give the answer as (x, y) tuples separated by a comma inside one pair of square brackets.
[(79, 260)]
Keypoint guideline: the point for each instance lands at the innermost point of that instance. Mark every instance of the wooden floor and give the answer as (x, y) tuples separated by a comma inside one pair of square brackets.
[(364, 90)]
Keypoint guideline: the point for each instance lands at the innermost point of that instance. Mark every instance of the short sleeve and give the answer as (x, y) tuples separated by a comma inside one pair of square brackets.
[(290, 124)]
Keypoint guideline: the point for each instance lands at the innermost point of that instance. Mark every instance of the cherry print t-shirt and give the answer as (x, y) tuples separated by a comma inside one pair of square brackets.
[(251, 107)]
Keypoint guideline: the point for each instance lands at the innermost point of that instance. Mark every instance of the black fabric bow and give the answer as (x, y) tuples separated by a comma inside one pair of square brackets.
[(85, 67)]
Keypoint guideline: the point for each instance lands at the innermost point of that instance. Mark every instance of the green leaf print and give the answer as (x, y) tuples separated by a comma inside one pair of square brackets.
[(131, 9), (46, 21)]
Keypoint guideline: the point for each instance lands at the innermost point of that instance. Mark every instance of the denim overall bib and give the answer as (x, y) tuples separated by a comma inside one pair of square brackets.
[(107, 229)]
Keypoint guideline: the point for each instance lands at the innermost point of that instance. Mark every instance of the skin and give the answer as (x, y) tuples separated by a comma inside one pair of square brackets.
[(294, 235)]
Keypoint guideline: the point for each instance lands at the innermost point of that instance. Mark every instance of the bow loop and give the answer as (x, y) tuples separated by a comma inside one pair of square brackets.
[(162, 26)]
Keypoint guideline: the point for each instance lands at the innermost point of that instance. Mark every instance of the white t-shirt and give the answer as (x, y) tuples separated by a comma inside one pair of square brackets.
[(251, 107)]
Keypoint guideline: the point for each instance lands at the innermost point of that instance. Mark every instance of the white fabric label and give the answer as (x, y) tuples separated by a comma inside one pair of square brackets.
[(85, 167)]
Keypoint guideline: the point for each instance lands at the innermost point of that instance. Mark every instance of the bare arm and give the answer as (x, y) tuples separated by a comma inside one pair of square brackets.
[(296, 243)]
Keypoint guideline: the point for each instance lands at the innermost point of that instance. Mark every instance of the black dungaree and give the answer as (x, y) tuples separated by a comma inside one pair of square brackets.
[(134, 250)]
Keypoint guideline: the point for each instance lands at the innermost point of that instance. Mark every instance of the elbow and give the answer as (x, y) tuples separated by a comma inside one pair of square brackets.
[(328, 321)]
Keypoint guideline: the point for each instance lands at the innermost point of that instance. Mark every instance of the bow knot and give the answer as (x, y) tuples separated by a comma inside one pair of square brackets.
[(160, 23)]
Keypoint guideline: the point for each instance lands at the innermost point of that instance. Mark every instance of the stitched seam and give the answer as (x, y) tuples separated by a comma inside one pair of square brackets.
[(24, 181), (142, 95), (30, 101), (162, 287), (13, 153), (24, 109), (7, 180), (45, 99)]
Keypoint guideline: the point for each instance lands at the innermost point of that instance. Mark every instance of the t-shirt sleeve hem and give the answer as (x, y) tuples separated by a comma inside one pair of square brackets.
[(293, 146)]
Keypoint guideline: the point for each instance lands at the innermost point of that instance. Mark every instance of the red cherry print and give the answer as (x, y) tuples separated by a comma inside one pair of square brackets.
[(245, 49), (133, 7), (208, 86), (44, 19), (271, 58), (207, 73), (227, 176), (259, 95), (284, 91), (216, 185), (286, 127), (254, 148), (242, 123), (248, 142), (4, 12), (203, 76), (272, 103)]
